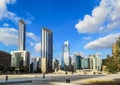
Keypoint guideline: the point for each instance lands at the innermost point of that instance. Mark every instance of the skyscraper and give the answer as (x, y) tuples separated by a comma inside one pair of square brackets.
[(21, 35), (46, 50), (21, 58), (77, 61), (66, 55)]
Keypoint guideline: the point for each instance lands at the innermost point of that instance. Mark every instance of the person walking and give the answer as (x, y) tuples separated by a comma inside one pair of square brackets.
[(6, 78)]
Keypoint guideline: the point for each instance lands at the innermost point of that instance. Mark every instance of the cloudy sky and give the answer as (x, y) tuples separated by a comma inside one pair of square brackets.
[(90, 26)]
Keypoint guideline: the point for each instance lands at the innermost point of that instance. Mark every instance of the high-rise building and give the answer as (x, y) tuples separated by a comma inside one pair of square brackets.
[(21, 59), (62, 64), (21, 35), (46, 50), (77, 61), (66, 55)]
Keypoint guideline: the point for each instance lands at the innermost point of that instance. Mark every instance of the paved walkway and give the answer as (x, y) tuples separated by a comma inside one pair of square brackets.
[(38, 77), (111, 77)]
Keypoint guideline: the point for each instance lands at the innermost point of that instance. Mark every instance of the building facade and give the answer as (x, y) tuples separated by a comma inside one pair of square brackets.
[(66, 55), (84, 63), (5, 59), (46, 50), (55, 66), (35, 62), (77, 61), (95, 62), (21, 35), (98, 62), (20, 59)]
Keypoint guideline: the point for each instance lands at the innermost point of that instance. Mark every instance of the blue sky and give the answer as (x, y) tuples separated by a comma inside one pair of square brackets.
[(90, 26)]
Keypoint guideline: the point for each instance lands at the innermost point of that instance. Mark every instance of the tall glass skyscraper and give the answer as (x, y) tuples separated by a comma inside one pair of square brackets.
[(77, 61), (46, 50), (21, 35), (66, 53), (21, 58)]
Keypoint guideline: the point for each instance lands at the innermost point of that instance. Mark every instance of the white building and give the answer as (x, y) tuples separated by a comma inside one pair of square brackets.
[(36, 63), (66, 53), (20, 59), (55, 65), (95, 62), (98, 62), (92, 63)]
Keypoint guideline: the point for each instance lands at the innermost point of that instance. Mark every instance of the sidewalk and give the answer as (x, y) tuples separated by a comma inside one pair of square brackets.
[(111, 77)]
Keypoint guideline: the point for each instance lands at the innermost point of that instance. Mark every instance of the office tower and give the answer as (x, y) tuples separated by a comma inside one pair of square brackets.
[(66, 55), (21, 35), (77, 61), (20, 60), (46, 50), (62, 64)]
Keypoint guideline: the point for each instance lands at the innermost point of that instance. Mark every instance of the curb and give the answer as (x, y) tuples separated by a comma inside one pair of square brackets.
[(15, 82)]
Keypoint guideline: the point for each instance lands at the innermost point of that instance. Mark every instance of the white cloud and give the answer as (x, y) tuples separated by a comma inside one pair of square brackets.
[(37, 47), (87, 38), (105, 17), (31, 35), (32, 44), (5, 13), (102, 43), (5, 25), (8, 36)]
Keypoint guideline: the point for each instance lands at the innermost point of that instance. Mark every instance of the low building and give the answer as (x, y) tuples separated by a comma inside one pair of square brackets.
[(84, 63), (55, 65), (95, 62), (20, 60), (35, 64), (5, 59)]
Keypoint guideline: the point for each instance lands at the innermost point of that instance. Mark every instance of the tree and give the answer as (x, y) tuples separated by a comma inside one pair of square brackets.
[(111, 65), (113, 62)]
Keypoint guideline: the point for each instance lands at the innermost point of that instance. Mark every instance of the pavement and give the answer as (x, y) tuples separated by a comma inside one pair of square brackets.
[(75, 79)]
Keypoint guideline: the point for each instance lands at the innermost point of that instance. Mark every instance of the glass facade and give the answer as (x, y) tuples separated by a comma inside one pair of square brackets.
[(84, 63), (66, 53), (78, 62), (20, 59), (47, 48), (21, 35)]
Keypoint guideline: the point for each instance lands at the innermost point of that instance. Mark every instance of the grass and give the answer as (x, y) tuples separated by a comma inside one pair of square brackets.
[(115, 82)]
